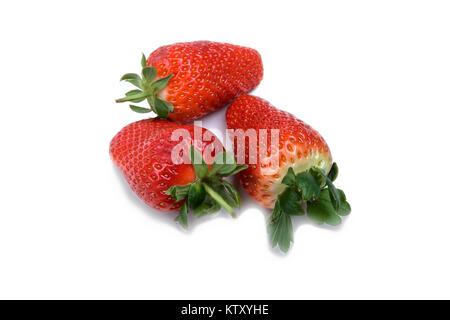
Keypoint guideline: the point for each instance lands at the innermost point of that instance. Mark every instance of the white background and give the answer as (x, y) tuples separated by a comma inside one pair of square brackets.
[(372, 76)]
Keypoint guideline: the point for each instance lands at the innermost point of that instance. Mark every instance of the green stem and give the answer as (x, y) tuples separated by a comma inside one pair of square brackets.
[(219, 199)]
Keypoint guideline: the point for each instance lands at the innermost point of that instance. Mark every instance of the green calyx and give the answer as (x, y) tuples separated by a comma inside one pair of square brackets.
[(210, 191), (148, 89), (311, 192)]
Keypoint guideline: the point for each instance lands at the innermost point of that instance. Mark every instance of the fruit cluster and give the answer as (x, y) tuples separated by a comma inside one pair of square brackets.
[(185, 81)]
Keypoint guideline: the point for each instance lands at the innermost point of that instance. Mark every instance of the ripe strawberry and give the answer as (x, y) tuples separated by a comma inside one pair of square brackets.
[(194, 78), (144, 152), (301, 179)]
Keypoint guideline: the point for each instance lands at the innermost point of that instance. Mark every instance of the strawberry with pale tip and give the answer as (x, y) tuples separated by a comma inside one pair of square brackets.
[(301, 180)]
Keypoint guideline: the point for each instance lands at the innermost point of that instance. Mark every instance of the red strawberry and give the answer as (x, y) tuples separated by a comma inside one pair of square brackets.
[(194, 78), (303, 171), (143, 151)]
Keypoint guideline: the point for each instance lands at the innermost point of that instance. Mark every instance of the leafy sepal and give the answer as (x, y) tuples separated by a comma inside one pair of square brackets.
[(311, 192), (182, 216), (178, 192), (280, 229), (139, 109), (149, 89), (322, 211), (210, 192)]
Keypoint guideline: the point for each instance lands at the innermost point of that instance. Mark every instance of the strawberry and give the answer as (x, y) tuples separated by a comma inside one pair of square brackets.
[(293, 176), (144, 151), (185, 81)]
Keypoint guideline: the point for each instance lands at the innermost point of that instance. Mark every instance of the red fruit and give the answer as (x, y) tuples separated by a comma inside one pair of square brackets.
[(301, 176), (195, 78), (143, 152), (300, 146)]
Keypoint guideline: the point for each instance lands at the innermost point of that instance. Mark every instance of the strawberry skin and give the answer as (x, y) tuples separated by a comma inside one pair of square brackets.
[(300, 146), (142, 151), (195, 78)]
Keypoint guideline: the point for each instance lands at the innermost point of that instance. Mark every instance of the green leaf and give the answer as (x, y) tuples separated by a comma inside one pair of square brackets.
[(135, 92), (226, 169), (196, 195), (208, 206), (223, 158), (161, 109), (139, 109), (130, 76), (289, 201), (227, 197), (228, 193), (161, 83), (308, 185), (345, 208), (233, 192), (276, 212), (332, 175), (136, 83), (216, 197), (224, 163), (169, 106), (143, 61), (201, 168), (178, 192), (239, 168), (342, 195), (319, 175), (289, 178), (322, 211), (135, 97), (334, 195), (182, 216), (149, 74), (280, 230)]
